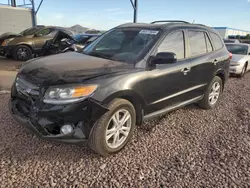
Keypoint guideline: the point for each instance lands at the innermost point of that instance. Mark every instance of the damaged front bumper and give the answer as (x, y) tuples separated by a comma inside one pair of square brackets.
[(46, 120)]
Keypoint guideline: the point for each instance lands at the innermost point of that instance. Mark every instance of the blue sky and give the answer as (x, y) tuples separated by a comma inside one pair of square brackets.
[(105, 14)]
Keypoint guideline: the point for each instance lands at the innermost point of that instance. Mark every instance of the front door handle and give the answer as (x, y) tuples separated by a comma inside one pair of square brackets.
[(186, 70)]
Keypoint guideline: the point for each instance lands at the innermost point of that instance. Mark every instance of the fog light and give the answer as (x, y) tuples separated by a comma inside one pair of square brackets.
[(66, 129)]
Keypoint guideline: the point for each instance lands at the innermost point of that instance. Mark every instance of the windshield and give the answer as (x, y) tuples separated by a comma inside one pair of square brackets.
[(127, 44), (237, 49), (30, 31)]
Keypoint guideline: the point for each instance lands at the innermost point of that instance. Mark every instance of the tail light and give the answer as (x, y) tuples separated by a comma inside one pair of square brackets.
[(230, 55)]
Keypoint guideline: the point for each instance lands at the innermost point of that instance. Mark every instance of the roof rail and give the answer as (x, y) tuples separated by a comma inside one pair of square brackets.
[(170, 21)]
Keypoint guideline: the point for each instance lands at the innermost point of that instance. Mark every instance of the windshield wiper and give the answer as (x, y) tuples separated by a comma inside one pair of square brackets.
[(96, 54)]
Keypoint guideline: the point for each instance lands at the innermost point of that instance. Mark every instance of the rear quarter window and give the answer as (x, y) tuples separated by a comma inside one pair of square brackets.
[(216, 41)]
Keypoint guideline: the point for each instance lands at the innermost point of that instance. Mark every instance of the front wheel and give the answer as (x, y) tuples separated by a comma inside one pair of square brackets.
[(212, 94), (22, 53), (114, 129)]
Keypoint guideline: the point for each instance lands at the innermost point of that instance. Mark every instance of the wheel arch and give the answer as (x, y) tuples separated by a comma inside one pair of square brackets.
[(25, 44), (134, 98)]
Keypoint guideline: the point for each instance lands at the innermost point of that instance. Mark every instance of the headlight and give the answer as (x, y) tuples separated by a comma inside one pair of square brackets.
[(6, 42), (68, 94)]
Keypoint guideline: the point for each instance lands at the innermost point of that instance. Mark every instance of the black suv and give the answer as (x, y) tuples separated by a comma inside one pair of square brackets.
[(131, 73)]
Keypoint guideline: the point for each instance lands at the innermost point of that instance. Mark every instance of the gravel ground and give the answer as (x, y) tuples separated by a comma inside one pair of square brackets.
[(9, 64), (186, 148)]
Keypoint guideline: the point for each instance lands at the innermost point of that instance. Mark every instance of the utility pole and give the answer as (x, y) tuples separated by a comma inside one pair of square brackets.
[(13, 3), (135, 7), (33, 13)]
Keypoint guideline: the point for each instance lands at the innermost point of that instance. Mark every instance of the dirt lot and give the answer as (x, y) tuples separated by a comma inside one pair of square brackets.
[(9, 64), (186, 148)]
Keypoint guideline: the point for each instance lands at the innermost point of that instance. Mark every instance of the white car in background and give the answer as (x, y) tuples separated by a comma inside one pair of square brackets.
[(240, 62)]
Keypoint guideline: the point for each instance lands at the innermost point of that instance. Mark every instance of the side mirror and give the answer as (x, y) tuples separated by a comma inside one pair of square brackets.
[(164, 58)]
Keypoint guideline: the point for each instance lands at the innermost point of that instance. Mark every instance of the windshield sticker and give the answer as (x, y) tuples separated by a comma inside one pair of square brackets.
[(149, 32)]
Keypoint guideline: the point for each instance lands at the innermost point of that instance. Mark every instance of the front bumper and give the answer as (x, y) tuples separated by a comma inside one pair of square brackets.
[(5, 50), (45, 120)]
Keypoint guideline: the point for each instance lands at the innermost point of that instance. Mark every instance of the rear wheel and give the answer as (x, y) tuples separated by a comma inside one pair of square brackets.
[(114, 129), (212, 94), (22, 53)]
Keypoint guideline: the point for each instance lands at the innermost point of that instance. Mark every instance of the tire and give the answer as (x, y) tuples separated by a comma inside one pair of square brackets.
[(22, 53), (207, 102), (242, 74), (98, 139)]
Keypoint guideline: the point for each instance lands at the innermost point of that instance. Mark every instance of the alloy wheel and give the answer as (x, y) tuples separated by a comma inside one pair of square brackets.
[(214, 93), (118, 128), (22, 53)]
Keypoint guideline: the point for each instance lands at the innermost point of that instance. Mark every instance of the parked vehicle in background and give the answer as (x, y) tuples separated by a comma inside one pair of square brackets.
[(239, 64), (5, 37), (93, 31), (83, 40), (29, 42), (231, 41), (131, 73), (62, 42)]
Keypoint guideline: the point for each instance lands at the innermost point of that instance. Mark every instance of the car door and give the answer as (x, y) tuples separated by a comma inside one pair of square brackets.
[(169, 84), (42, 36), (203, 61)]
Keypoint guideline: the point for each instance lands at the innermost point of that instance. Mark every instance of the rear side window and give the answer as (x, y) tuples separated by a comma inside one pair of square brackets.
[(197, 43), (208, 42), (217, 41), (174, 42)]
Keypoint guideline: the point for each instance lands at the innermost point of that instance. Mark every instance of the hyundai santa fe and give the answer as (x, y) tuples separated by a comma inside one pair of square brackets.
[(132, 73)]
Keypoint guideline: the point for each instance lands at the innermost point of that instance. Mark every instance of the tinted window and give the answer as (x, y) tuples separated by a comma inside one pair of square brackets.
[(208, 42), (30, 31), (217, 41), (44, 32), (237, 49), (197, 43), (174, 42)]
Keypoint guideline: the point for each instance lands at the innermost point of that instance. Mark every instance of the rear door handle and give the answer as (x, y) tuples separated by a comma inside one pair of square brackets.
[(186, 70)]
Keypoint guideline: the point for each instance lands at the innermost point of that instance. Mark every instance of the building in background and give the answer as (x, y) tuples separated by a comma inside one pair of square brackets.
[(14, 19), (227, 32)]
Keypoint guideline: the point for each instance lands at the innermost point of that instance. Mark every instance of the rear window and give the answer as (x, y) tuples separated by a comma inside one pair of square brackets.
[(217, 41), (237, 49)]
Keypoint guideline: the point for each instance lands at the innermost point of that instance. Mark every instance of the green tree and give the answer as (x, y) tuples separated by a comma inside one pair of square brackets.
[(248, 36)]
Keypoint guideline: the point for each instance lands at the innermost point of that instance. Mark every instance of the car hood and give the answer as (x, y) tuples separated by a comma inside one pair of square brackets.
[(237, 58), (8, 35), (69, 67)]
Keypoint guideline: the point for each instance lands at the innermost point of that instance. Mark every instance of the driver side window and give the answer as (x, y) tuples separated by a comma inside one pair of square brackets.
[(174, 42), (44, 32)]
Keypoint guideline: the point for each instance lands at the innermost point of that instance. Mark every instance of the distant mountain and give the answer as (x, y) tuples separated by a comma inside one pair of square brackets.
[(78, 29)]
